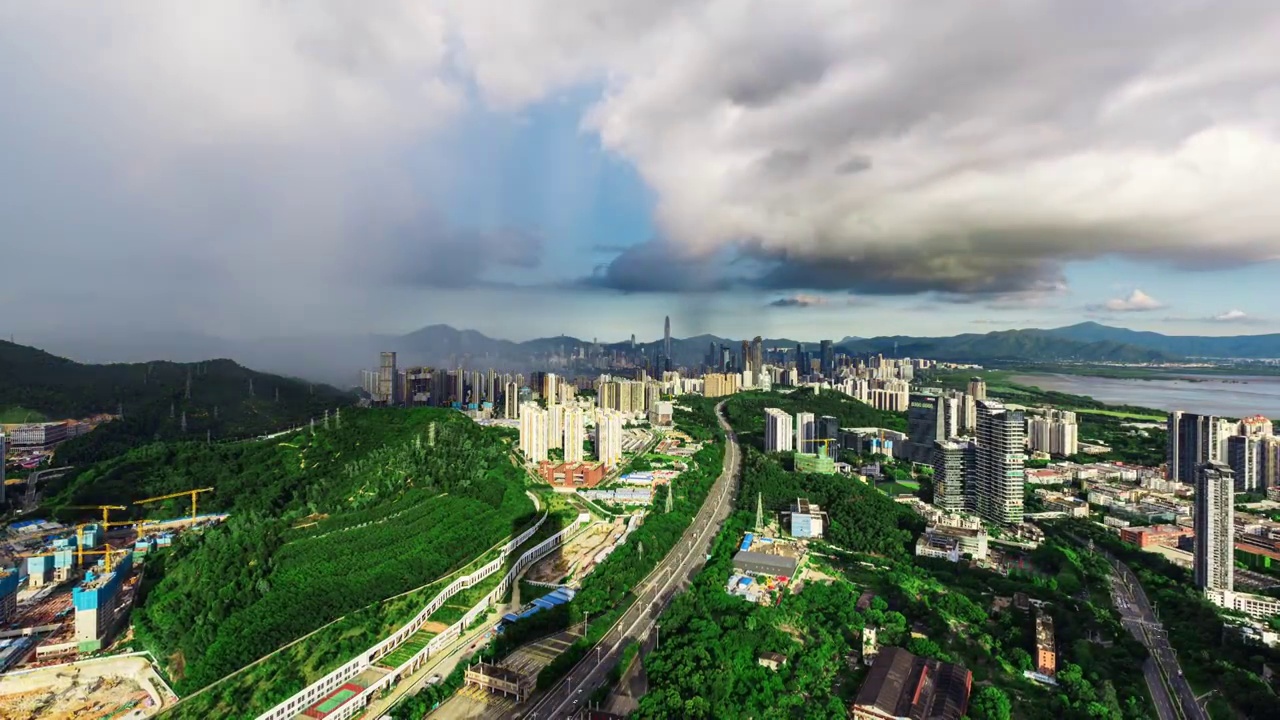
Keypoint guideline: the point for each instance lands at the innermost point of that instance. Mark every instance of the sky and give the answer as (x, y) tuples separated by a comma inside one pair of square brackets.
[(815, 169)]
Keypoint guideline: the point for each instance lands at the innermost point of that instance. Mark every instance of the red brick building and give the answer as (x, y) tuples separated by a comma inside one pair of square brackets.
[(1145, 537), (574, 475)]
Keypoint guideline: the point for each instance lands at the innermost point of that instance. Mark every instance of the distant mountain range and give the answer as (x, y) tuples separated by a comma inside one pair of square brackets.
[(338, 359)]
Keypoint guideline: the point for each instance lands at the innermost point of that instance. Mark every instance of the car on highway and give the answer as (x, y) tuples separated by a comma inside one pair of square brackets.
[(434, 679)]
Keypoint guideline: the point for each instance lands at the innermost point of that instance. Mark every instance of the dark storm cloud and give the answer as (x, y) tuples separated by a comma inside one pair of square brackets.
[(798, 301), (656, 266), (461, 258)]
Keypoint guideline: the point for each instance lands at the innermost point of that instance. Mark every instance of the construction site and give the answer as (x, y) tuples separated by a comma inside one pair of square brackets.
[(66, 593), (576, 559), (121, 688)]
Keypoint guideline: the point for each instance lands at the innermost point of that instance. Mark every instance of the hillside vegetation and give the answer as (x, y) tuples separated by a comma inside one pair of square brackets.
[(226, 399), (321, 525)]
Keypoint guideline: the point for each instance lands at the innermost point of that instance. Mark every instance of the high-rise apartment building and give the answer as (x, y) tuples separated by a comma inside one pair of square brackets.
[(609, 437), (555, 426), (511, 401), (999, 462), (926, 426), (1194, 440), (1243, 457), (1254, 426), (721, 384), (1268, 462), (1213, 516), (575, 433), (388, 380), (778, 431), (550, 384), (1054, 432), (977, 389), (533, 432), (806, 432), (953, 472)]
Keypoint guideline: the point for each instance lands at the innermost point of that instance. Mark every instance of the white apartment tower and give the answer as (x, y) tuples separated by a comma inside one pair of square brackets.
[(511, 401), (1055, 432), (533, 432), (609, 437), (555, 426), (999, 463), (574, 434), (806, 430), (778, 431), (550, 383), (1213, 517)]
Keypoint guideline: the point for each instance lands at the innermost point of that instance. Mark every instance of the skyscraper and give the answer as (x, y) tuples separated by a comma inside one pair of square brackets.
[(953, 468), (999, 462), (1214, 521), (555, 426), (1193, 441), (757, 359), (387, 377), (549, 386), (926, 426), (533, 433), (806, 431), (608, 437), (666, 337), (978, 388), (778, 431), (511, 401), (828, 357), (574, 434), (829, 429), (1243, 456)]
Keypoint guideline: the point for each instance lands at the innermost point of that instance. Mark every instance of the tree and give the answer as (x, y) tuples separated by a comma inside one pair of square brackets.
[(990, 703)]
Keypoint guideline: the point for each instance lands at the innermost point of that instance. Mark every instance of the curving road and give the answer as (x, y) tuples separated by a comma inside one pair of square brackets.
[(653, 593), (1170, 691)]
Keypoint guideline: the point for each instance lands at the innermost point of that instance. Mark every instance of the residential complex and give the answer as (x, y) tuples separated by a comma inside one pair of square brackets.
[(954, 487), (1054, 432), (608, 439), (534, 422), (778, 431)]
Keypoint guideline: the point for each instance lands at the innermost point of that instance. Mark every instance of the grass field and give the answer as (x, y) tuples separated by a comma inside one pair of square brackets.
[(405, 652), (1121, 414), (15, 415), (908, 487)]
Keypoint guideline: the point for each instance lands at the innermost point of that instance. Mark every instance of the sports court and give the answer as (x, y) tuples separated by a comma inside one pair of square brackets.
[(333, 701)]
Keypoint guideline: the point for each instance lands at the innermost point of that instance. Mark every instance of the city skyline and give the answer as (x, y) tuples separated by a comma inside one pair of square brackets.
[(272, 170)]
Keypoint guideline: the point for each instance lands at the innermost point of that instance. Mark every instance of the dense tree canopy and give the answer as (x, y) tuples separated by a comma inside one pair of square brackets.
[(326, 522)]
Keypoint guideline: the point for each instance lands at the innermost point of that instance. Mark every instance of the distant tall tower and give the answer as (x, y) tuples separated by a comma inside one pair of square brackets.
[(387, 379), (666, 337), (977, 388), (1213, 517)]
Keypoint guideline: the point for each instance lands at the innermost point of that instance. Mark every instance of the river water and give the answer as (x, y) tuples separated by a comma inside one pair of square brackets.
[(1231, 396)]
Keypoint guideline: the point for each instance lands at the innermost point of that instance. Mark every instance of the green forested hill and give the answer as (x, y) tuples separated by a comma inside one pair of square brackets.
[(321, 524), (225, 399)]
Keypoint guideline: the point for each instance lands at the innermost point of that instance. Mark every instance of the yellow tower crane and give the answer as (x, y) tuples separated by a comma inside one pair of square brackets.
[(825, 442), (106, 552), (106, 523), (170, 496)]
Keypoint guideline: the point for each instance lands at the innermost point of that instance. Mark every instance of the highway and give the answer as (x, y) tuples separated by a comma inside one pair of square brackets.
[(1140, 619), (653, 593)]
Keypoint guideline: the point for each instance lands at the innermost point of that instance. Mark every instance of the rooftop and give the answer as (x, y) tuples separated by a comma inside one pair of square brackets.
[(903, 685)]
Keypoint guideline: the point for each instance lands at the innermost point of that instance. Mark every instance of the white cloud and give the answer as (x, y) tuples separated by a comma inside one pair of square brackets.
[(1233, 316), (1136, 301), (900, 146)]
